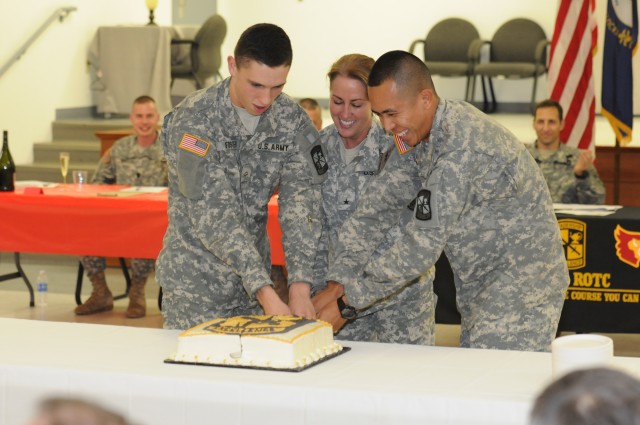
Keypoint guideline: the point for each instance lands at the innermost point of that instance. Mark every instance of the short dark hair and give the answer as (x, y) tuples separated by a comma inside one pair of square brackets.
[(309, 103), (144, 99), (589, 397), (264, 43), (407, 70), (549, 103)]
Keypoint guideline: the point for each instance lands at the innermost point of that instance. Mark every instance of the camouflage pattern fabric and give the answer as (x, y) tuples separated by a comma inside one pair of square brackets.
[(406, 317), (127, 163), (482, 199), (563, 184), (141, 268), (215, 254)]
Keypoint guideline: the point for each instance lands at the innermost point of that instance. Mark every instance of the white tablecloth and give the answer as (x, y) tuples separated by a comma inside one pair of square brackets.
[(122, 368)]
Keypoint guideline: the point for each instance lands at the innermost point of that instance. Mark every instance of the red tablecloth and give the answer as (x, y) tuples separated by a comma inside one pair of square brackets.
[(64, 220)]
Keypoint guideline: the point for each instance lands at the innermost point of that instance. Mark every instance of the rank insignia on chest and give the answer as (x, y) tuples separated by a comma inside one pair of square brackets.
[(194, 144), (346, 201)]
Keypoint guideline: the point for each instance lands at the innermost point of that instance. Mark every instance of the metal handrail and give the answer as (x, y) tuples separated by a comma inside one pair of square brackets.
[(59, 14)]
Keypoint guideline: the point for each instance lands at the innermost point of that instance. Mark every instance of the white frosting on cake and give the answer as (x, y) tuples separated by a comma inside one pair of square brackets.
[(281, 342)]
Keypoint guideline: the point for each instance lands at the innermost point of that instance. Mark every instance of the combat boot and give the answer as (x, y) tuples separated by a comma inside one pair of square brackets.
[(137, 303), (100, 299)]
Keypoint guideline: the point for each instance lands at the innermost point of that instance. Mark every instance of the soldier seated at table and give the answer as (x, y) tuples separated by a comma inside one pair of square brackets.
[(569, 172), (132, 160)]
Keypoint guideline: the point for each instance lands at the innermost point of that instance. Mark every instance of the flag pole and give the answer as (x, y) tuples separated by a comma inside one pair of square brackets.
[(616, 173)]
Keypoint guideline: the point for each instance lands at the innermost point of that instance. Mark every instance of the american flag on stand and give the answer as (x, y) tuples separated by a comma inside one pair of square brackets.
[(570, 80)]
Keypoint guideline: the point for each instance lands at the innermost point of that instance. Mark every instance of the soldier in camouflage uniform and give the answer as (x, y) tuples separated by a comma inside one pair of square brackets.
[(228, 148), (313, 109), (569, 172), (133, 160), (481, 199), (355, 144)]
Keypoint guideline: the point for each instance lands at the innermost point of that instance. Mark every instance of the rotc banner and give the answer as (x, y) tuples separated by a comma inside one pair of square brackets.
[(620, 43), (603, 257)]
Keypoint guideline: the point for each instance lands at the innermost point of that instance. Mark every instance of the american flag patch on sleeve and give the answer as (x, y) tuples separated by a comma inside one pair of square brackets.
[(194, 144), (402, 146)]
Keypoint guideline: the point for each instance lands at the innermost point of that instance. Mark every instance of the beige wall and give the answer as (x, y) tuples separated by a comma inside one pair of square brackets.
[(53, 75), (323, 30)]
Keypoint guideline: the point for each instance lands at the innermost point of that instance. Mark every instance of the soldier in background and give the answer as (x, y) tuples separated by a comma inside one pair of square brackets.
[(355, 144), (569, 172), (135, 160), (313, 109), (480, 198), (228, 147)]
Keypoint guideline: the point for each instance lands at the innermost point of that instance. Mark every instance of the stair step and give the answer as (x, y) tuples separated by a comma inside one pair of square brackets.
[(84, 129), (79, 151), (59, 145), (76, 136), (50, 172)]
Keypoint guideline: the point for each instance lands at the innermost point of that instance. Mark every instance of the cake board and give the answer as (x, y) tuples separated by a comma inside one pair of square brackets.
[(297, 369)]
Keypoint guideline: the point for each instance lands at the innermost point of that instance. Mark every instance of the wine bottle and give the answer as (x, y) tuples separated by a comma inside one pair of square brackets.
[(7, 167)]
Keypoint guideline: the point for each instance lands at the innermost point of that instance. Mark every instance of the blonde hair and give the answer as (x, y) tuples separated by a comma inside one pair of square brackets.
[(354, 66)]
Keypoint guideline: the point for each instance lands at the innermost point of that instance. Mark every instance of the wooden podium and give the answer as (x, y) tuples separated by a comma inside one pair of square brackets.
[(629, 178), (108, 137)]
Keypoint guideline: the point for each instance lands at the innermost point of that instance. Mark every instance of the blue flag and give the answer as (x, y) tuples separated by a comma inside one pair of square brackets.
[(620, 43)]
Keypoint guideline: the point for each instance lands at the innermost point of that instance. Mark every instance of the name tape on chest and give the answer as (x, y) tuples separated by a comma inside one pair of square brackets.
[(194, 144), (273, 147)]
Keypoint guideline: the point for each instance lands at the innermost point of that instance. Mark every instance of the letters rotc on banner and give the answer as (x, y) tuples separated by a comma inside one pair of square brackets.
[(603, 257)]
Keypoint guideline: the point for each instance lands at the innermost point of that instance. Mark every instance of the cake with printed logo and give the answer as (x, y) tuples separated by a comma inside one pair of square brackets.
[(278, 342)]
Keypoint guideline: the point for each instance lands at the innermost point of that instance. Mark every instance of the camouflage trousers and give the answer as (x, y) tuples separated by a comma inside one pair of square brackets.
[(141, 268), (502, 317), (405, 318)]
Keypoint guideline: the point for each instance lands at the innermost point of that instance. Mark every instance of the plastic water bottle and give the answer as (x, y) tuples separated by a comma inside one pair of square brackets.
[(43, 288)]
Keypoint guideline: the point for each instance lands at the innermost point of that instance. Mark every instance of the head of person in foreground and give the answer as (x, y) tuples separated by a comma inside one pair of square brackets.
[(597, 396)]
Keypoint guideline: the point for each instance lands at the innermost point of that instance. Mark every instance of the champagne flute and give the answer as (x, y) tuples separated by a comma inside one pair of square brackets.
[(64, 165)]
